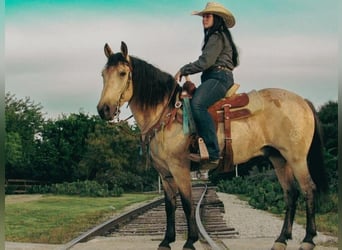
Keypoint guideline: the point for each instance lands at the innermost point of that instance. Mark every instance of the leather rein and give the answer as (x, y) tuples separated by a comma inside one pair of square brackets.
[(166, 118)]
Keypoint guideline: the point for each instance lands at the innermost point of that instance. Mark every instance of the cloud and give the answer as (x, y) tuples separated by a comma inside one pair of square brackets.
[(57, 61)]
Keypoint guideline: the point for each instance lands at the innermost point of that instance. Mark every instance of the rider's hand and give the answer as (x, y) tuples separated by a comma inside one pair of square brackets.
[(178, 76)]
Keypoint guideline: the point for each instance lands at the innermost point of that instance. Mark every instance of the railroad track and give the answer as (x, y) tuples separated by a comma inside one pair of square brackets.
[(150, 220)]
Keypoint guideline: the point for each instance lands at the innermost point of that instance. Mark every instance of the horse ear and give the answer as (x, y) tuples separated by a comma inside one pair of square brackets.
[(107, 50), (124, 50)]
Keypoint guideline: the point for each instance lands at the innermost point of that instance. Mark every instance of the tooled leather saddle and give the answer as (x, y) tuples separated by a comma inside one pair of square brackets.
[(231, 107)]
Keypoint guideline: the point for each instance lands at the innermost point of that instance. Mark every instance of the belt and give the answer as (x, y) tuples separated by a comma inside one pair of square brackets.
[(223, 68), (217, 68)]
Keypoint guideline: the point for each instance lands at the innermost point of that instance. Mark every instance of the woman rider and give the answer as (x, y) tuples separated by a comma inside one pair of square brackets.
[(218, 59)]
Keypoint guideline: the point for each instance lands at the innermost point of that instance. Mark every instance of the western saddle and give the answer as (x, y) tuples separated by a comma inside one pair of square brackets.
[(231, 107)]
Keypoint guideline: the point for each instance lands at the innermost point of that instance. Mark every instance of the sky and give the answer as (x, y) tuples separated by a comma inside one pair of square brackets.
[(54, 48)]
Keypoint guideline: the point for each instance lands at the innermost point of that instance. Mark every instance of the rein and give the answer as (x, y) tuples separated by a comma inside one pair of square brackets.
[(166, 117), (118, 111)]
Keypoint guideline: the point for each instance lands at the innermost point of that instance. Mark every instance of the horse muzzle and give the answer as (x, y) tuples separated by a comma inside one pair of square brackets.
[(108, 112)]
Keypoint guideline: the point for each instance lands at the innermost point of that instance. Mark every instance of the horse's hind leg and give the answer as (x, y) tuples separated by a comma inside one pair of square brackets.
[(291, 193), (170, 191), (308, 188)]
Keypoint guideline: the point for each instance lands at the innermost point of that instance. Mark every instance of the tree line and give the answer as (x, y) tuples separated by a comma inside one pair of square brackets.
[(71, 148), (79, 147)]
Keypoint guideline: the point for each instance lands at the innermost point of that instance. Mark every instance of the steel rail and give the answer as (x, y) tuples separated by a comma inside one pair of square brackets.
[(200, 226), (112, 223), (122, 219)]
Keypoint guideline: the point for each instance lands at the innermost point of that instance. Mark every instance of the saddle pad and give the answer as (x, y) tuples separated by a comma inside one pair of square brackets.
[(256, 103)]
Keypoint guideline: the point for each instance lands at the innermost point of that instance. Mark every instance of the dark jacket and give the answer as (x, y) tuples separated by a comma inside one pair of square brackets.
[(217, 52)]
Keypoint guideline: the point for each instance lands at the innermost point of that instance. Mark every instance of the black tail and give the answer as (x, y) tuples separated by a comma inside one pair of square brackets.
[(315, 158)]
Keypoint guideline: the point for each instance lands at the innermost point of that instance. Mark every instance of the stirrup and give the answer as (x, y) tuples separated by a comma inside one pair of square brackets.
[(203, 151), (210, 165), (194, 157)]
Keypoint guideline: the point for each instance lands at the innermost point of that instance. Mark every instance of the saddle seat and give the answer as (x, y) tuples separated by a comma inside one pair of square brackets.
[(235, 102)]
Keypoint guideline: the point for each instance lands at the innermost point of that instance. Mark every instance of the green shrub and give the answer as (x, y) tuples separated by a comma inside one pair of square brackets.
[(84, 188), (39, 189), (264, 192), (10, 189)]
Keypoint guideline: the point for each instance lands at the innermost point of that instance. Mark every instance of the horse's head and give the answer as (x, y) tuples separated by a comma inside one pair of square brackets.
[(117, 83)]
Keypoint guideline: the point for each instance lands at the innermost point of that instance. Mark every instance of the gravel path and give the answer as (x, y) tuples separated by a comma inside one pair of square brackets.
[(257, 224)]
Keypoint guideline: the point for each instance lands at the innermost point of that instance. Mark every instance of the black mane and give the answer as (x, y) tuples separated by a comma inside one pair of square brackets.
[(115, 59), (150, 85)]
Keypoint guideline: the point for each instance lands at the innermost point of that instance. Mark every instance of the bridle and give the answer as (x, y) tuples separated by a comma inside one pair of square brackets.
[(124, 89)]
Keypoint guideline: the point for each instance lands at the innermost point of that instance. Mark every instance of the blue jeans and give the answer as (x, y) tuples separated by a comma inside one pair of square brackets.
[(214, 86)]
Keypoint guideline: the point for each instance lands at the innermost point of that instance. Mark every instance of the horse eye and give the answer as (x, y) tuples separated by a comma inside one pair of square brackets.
[(122, 74)]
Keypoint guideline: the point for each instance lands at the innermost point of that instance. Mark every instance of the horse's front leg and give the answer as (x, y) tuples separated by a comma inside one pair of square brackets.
[(183, 181), (189, 211), (170, 209)]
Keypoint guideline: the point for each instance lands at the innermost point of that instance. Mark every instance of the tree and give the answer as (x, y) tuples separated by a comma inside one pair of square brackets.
[(13, 151), (113, 157), (62, 146), (329, 119), (328, 115), (23, 120)]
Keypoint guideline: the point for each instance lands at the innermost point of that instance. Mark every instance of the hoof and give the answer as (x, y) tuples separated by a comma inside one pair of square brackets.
[(278, 246), (306, 246), (189, 247), (164, 248), (164, 245)]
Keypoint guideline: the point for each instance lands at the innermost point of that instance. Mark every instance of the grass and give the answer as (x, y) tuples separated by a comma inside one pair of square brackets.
[(326, 223), (58, 219)]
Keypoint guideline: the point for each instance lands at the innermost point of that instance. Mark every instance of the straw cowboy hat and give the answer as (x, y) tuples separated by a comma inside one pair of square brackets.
[(220, 10)]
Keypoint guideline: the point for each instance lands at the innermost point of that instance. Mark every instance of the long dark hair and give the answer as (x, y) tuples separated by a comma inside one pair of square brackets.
[(220, 26)]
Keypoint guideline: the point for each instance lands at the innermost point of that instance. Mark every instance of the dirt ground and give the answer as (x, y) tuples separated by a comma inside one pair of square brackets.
[(148, 243), (17, 198)]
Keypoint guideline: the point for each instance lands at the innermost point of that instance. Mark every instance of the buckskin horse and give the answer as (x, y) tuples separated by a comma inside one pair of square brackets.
[(286, 131)]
